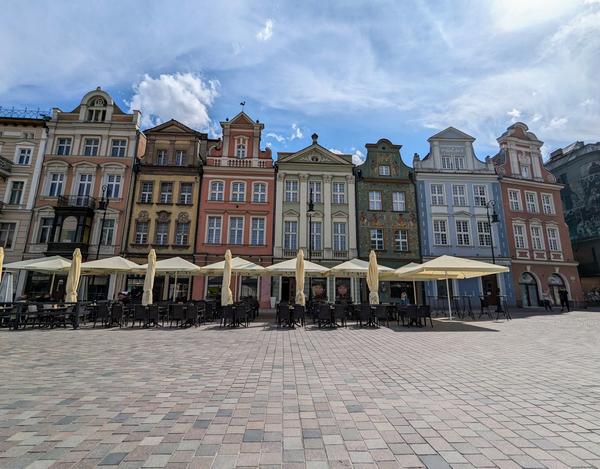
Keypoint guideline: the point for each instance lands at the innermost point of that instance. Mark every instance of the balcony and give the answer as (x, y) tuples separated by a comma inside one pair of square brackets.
[(66, 249), (5, 167), (76, 202), (240, 163)]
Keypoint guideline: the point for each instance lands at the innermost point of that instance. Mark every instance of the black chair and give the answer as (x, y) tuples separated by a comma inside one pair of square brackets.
[(485, 308), (400, 312), (298, 315), (365, 315), (228, 316), (177, 314), (382, 314), (424, 312), (191, 314), (140, 314), (412, 315), (282, 314), (324, 315), (116, 314), (340, 312), (153, 315), (102, 313)]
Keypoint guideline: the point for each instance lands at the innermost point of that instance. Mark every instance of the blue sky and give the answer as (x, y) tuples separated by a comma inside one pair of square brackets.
[(352, 71)]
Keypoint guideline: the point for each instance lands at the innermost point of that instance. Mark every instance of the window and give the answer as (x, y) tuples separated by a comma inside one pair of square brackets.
[(459, 196), (398, 201), (290, 235), (24, 156), (375, 200), (141, 232), (166, 192), (16, 192), (446, 162), (531, 201), (463, 235), (108, 233), (377, 239), (56, 184), (519, 235), (437, 194), (537, 240), (401, 240), (162, 234), (182, 234), (236, 230), (91, 146), (339, 236), (339, 193), (459, 162), (314, 190), (63, 146), (384, 170), (213, 232), (180, 158), (525, 171), (185, 193), (84, 188), (113, 186), (240, 147), (146, 192), (259, 192), (553, 239), (453, 162), (479, 195), (161, 158), (548, 204), (484, 233), (257, 235), (118, 147), (238, 191), (45, 229), (291, 191), (7, 234), (514, 200), (316, 235), (217, 189), (440, 232)]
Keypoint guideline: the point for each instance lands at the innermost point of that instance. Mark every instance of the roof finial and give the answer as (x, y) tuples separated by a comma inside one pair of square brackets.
[(314, 137), (243, 103)]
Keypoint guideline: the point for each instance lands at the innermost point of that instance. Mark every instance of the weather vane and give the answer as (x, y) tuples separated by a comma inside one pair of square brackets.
[(243, 103)]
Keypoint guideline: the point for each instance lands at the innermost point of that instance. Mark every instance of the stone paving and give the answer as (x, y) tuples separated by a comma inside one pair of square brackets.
[(524, 393)]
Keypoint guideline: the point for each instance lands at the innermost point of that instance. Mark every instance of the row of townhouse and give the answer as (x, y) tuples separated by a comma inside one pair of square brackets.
[(90, 178)]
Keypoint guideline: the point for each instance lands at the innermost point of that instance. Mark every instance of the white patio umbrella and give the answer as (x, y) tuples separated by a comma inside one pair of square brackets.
[(300, 297), (226, 295), (48, 265), (239, 266), (110, 265), (1, 261), (356, 268), (177, 266), (149, 278), (6, 288), (373, 279), (73, 277), (287, 268)]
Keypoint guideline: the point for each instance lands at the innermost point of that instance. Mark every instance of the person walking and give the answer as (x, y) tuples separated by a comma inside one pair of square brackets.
[(546, 300), (564, 300)]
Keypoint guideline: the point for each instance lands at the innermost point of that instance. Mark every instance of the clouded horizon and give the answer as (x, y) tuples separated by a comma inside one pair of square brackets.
[(351, 71)]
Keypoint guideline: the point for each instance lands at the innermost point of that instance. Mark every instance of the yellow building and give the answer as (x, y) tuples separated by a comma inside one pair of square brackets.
[(165, 202)]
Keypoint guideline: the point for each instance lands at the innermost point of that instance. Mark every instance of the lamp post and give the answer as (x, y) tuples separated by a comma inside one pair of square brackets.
[(310, 212), (102, 205), (493, 219)]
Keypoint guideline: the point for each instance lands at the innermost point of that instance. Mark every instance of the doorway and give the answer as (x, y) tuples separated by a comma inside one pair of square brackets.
[(556, 284), (288, 288), (490, 289), (529, 290)]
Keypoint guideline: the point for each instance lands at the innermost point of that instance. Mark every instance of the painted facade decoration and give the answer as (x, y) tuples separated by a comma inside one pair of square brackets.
[(455, 191), (387, 213), (578, 168), (540, 248)]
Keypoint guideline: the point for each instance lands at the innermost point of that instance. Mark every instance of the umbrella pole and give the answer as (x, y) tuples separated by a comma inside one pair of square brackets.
[(175, 289), (52, 285), (415, 292), (448, 293)]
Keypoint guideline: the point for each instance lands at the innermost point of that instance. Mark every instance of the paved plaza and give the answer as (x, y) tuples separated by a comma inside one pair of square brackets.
[(523, 393)]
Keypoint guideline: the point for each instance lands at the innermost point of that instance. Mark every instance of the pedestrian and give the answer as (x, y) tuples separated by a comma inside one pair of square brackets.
[(564, 300), (547, 301)]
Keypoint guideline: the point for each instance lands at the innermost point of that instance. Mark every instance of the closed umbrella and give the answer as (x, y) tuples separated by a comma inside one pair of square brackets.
[(288, 269), (1, 260), (300, 297), (149, 279), (373, 279), (73, 277), (226, 295)]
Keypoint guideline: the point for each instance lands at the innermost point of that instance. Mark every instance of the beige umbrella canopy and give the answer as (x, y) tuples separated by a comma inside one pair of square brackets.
[(73, 277), (175, 265), (47, 265), (373, 279), (288, 269), (226, 295), (300, 297), (238, 266), (1, 260), (110, 265), (356, 268), (149, 278)]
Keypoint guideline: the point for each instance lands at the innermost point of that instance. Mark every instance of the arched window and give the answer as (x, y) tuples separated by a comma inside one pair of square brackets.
[(241, 147), (529, 290), (97, 109), (556, 283)]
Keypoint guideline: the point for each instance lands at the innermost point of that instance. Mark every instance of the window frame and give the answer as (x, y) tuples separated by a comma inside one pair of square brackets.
[(522, 235), (401, 240), (553, 239), (96, 147), (537, 241), (184, 200), (441, 233), (10, 234), (386, 172), (161, 192), (462, 235), (375, 200), (437, 197), (11, 192), (534, 203), (516, 202), (478, 197), (237, 195), (254, 230), (484, 233), (288, 235), (215, 229), (238, 230), (141, 237), (401, 203), (291, 194), (338, 197), (164, 235), (376, 239), (143, 193), (457, 197), (68, 147), (182, 239), (216, 195), (339, 240), (119, 148), (317, 194), (552, 210), (260, 194)]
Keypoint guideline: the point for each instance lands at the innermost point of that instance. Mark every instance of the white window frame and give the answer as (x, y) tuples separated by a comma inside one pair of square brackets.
[(377, 239), (59, 184), (215, 230), (94, 149), (67, 146), (19, 150), (401, 240), (241, 147), (537, 240), (484, 232), (399, 201), (480, 198), (141, 237), (119, 148), (13, 234), (375, 200), (162, 200), (161, 238), (316, 235), (186, 198), (258, 231), (440, 237), (463, 232), (291, 187), (384, 170), (532, 206), (180, 158), (162, 157), (554, 244), (182, 238), (144, 194), (340, 236), (514, 203), (111, 185), (239, 231), (259, 196), (216, 194), (339, 196), (548, 208), (459, 195), (9, 192), (104, 229), (524, 244), (437, 198), (289, 235), (238, 191), (317, 191)]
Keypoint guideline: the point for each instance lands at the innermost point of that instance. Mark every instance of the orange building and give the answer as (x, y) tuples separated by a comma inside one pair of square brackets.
[(236, 208)]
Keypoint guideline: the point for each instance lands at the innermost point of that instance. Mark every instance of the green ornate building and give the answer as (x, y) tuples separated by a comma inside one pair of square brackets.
[(387, 213)]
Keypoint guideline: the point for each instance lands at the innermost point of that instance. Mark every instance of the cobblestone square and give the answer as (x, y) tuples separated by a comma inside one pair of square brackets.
[(522, 393)]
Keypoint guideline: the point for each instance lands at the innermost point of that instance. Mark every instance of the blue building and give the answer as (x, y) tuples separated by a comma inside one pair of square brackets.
[(455, 193)]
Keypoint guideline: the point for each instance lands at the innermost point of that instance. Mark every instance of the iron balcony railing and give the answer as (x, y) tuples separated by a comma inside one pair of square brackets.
[(77, 201)]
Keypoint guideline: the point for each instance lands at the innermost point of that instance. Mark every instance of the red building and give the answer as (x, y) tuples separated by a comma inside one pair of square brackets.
[(538, 237), (236, 208)]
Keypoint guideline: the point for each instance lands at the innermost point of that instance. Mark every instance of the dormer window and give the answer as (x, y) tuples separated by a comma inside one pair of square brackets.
[(384, 170), (241, 147), (525, 171), (97, 110)]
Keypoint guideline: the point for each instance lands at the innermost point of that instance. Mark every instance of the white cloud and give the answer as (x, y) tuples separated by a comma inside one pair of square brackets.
[(296, 132), (336, 151), (279, 138), (514, 115), (185, 97), (267, 32), (358, 157)]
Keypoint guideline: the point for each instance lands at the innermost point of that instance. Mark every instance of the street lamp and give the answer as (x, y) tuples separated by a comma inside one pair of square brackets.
[(493, 219), (310, 212), (102, 205)]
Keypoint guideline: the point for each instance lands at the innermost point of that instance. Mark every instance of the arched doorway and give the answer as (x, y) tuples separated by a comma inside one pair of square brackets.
[(529, 290), (556, 284)]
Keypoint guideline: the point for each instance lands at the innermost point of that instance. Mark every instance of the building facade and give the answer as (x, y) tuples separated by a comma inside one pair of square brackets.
[(22, 146), (578, 168), (328, 234), (455, 193), (88, 160), (236, 207), (387, 213), (540, 248), (165, 203)]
